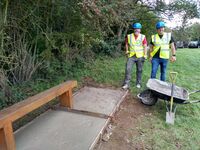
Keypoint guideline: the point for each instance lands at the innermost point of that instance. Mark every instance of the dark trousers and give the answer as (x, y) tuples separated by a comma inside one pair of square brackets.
[(163, 68), (129, 65)]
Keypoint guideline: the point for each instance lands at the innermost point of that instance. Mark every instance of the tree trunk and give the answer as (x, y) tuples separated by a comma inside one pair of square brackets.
[(119, 38), (4, 16)]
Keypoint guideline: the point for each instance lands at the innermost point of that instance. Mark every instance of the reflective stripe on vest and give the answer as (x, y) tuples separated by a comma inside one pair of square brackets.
[(135, 46), (162, 44)]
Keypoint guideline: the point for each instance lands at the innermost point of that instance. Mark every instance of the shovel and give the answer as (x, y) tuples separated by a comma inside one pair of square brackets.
[(170, 114)]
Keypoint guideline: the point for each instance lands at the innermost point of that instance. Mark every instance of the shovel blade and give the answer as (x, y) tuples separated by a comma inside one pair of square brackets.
[(170, 117)]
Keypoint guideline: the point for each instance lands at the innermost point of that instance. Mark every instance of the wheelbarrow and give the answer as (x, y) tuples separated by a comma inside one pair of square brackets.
[(157, 89)]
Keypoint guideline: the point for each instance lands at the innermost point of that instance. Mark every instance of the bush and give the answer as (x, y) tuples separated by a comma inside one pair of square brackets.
[(108, 48)]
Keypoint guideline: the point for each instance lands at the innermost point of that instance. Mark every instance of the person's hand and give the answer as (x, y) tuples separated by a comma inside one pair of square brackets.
[(143, 59), (126, 52), (150, 58), (173, 59)]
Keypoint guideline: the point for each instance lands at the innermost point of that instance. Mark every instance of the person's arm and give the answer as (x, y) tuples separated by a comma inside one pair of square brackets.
[(126, 46), (144, 43), (150, 50), (145, 51), (173, 52)]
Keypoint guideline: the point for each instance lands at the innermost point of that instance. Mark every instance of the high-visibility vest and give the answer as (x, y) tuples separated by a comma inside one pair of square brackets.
[(135, 45), (162, 44)]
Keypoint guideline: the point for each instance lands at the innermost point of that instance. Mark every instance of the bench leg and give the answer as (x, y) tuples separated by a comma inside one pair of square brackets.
[(7, 141), (66, 99)]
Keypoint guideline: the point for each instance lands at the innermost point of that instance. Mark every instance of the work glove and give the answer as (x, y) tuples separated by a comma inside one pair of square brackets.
[(144, 58), (127, 53), (150, 58)]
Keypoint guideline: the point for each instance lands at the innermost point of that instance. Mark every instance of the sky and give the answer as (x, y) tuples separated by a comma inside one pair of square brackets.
[(177, 21)]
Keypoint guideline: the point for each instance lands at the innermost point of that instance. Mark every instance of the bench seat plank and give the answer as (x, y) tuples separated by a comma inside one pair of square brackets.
[(22, 108)]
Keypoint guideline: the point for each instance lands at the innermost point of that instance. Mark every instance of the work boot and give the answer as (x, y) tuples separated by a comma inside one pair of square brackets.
[(125, 87), (138, 86)]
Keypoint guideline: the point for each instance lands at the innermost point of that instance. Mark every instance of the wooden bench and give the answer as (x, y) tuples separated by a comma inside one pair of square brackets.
[(18, 110)]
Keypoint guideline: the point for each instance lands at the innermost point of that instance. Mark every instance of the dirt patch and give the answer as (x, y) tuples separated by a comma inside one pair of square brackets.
[(90, 82), (126, 125)]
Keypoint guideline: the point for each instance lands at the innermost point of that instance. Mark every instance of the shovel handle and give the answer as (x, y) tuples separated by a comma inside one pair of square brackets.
[(173, 76)]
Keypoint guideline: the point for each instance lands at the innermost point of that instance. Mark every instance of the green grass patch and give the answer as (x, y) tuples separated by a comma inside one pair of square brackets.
[(185, 134)]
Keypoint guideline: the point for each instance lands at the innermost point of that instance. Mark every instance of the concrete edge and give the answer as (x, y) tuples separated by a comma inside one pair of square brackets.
[(98, 137), (29, 123), (50, 109), (92, 146)]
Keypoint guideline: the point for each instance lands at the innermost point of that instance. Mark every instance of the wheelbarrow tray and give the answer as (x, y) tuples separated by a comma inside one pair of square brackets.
[(162, 90)]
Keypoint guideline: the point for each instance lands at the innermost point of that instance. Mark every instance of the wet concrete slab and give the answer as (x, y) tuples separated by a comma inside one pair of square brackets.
[(97, 99), (61, 130)]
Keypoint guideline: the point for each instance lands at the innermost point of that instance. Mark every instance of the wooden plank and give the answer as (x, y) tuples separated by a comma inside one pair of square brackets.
[(66, 99), (92, 146), (82, 112), (2, 139), (20, 109), (7, 141)]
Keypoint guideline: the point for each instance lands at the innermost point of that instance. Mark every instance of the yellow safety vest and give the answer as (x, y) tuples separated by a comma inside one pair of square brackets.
[(162, 44), (135, 46)]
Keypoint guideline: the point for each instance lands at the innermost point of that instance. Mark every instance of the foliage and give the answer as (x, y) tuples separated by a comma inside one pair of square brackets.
[(187, 9), (154, 132), (194, 31), (51, 38), (189, 33)]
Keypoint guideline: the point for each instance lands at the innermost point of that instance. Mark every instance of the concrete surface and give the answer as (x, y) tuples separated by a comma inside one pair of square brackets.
[(60, 130), (97, 99)]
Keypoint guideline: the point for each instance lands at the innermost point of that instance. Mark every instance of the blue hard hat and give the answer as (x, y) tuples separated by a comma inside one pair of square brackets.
[(160, 24), (136, 26)]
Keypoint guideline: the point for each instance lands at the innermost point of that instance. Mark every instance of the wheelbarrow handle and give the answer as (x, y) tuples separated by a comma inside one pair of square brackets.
[(196, 91), (190, 102)]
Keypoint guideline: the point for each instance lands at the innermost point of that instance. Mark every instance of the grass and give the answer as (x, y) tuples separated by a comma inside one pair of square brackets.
[(185, 134)]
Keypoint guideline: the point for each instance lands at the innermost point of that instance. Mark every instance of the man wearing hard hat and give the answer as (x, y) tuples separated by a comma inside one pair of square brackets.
[(136, 50), (160, 46)]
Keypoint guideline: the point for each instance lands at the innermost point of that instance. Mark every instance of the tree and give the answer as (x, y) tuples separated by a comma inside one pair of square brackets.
[(193, 32), (187, 10), (114, 18)]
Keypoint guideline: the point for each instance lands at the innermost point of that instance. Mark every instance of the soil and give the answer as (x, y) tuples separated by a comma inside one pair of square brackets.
[(90, 82), (125, 126)]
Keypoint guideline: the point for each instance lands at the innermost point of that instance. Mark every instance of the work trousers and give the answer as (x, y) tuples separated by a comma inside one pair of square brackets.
[(156, 62), (129, 65)]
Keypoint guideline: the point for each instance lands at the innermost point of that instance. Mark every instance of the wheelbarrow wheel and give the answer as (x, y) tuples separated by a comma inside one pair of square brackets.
[(147, 97)]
